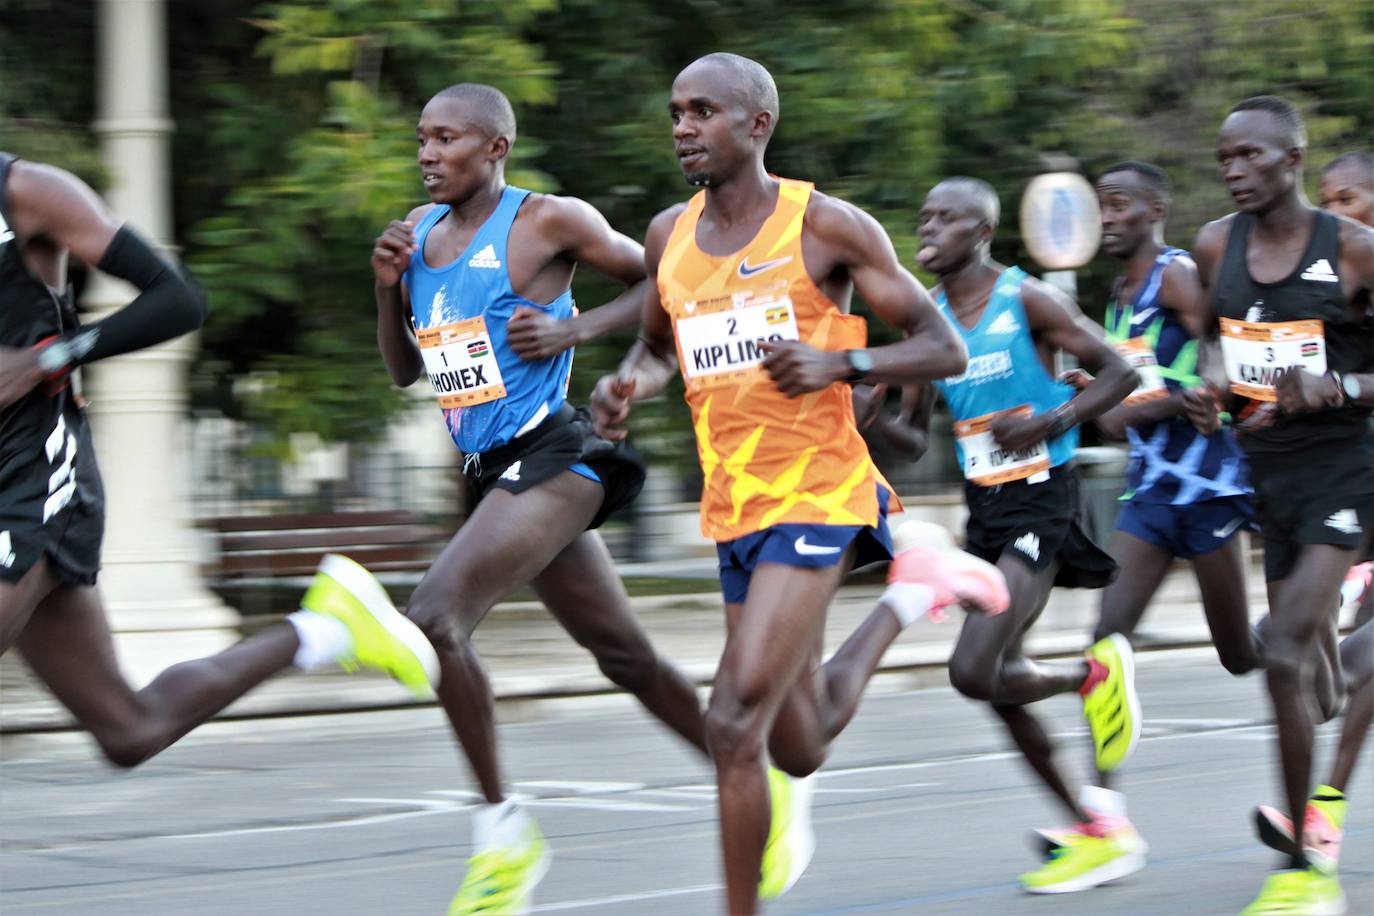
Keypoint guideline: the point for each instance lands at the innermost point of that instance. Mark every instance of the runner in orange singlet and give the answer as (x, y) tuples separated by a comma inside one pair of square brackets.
[(754, 278)]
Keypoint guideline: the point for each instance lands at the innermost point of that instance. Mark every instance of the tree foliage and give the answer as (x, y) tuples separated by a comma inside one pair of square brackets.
[(296, 119)]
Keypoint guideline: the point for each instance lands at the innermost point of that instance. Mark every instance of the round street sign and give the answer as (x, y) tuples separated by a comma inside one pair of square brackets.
[(1060, 221)]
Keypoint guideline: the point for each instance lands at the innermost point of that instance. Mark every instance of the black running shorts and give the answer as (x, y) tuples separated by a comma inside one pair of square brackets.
[(563, 442), (51, 500), (1038, 524), (1327, 497)]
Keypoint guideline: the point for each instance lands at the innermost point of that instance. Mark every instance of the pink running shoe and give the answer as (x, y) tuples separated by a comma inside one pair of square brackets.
[(1355, 584), (1323, 828), (926, 556)]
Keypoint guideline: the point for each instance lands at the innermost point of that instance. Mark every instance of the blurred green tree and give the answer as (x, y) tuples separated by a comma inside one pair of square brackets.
[(295, 121)]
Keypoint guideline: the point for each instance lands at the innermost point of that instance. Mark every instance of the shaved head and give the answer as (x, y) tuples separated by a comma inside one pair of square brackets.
[(979, 196), (751, 83), (488, 106), (1359, 163), (1291, 130)]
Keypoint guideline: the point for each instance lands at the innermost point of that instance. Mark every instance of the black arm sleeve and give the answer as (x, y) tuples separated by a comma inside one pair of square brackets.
[(168, 306)]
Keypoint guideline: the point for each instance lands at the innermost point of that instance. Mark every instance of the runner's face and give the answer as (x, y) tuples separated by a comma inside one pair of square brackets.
[(1346, 191), (1257, 166), (711, 129), (950, 227), (1128, 213), (457, 156)]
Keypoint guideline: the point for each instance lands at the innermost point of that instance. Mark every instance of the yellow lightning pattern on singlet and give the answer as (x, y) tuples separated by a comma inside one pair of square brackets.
[(783, 488)]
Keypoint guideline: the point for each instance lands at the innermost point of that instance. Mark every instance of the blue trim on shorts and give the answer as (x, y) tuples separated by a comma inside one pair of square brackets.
[(585, 471), (802, 546), (1190, 530)]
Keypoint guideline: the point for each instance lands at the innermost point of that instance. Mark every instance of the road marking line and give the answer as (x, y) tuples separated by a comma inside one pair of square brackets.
[(625, 898)]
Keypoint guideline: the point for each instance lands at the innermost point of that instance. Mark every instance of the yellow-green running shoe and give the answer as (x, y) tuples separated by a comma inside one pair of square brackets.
[(1110, 702), (500, 881), (791, 839), (1085, 861), (1295, 891), (382, 637)]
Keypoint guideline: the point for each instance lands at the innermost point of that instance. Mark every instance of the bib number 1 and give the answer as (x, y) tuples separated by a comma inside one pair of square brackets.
[(461, 363)]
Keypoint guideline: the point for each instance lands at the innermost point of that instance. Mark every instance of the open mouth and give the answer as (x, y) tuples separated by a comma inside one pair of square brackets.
[(431, 179), (927, 254), (690, 154)]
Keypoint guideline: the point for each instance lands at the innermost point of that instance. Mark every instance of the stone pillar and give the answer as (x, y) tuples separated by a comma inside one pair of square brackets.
[(158, 604)]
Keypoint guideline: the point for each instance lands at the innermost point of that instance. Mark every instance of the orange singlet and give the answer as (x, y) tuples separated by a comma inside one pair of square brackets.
[(768, 459)]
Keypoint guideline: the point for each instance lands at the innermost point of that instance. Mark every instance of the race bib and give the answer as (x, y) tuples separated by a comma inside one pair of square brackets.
[(1138, 355), (461, 363), (986, 463), (1257, 353), (722, 347)]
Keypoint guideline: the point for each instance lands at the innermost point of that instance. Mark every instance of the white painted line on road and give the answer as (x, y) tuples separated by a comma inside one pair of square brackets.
[(601, 804), (625, 898), (587, 788)]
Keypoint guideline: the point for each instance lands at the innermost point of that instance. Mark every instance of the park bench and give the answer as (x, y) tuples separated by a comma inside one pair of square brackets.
[(263, 547)]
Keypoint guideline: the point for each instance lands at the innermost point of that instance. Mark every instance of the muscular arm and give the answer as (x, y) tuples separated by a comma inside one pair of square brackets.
[(931, 349), (58, 208), (1056, 319), (910, 429), (844, 238), (1357, 247), (652, 360), (589, 239), (395, 339)]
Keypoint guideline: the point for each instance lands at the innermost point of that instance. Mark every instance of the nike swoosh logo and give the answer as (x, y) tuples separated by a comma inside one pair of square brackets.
[(1143, 316), (748, 270), (811, 550), (1228, 530)]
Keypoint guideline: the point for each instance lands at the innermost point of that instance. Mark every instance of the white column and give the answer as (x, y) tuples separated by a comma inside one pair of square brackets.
[(159, 607)]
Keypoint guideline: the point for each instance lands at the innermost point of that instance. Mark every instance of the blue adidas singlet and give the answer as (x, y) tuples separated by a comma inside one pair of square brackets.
[(1004, 368), (1171, 462), (477, 286)]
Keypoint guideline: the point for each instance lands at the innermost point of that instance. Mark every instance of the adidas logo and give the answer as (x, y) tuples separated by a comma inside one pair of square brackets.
[(1345, 521), (1320, 270), (1005, 323), (6, 233), (1029, 544), (511, 473), (485, 258), (6, 548)]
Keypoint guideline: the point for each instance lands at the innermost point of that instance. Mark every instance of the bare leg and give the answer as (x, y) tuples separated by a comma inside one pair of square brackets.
[(1143, 567), (506, 542), (771, 643), (69, 647), (1298, 613), (18, 600), (1357, 657), (988, 664), (1221, 580), (583, 592)]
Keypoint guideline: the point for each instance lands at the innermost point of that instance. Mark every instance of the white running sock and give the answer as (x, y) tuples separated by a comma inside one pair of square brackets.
[(502, 824), (1100, 801), (323, 640), (907, 600)]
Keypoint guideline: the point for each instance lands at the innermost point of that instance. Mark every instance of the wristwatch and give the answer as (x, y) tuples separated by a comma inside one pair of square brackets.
[(1350, 385), (860, 364), (55, 357)]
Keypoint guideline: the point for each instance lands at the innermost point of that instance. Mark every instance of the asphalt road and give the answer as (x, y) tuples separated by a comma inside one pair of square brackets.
[(920, 808)]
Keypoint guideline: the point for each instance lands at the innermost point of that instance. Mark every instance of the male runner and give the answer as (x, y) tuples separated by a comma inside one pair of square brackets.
[(1016, 429), (1187, 494), (754, 277), (474, 291), (1290, 285), (1347, 189), (52, 504)]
